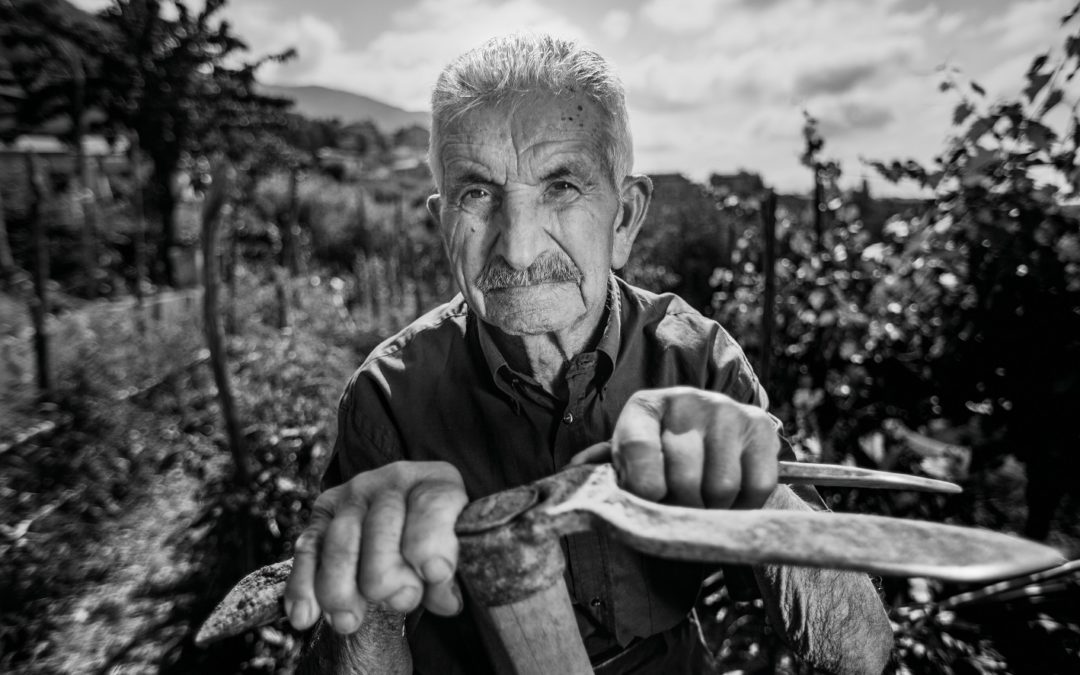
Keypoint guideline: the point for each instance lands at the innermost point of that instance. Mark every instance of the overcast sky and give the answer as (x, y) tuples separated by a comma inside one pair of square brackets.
[(713, 85)]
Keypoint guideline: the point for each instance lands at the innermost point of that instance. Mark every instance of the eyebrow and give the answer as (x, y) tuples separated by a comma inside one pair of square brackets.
[(568, 170), (471, 174)]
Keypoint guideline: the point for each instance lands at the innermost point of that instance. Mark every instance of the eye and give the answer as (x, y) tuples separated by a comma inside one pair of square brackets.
[(563, 188), (474, 194)]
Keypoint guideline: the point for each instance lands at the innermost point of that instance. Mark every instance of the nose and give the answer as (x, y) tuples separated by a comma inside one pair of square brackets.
[(522, 236)]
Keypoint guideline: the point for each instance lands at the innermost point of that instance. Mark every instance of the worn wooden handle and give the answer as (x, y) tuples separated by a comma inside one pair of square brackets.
[(510, 552)]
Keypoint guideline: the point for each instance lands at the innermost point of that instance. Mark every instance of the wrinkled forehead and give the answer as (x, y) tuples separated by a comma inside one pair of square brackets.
[(517, 134)]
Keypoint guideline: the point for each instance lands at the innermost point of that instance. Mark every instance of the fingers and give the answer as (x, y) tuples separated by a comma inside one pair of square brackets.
[(684, 460), (386, 536), (335, 580), (694, 448), (385, 577), (761, 467), (637, 447), (430, 545), (722, 476), (301, 605)]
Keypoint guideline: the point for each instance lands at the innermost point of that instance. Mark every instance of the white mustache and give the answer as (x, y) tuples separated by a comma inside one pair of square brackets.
[(550, 267)]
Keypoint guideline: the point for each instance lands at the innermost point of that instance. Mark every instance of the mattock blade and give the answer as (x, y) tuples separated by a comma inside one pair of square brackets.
[(857, 542), (255, 601)]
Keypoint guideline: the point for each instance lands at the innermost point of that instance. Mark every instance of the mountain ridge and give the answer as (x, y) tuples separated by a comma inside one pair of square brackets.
[(326, 103)]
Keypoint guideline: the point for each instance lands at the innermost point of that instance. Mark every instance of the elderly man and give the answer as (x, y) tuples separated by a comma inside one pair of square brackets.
[(545, 354)]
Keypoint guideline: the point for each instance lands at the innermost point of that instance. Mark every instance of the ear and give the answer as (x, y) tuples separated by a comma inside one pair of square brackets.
[(434, 204), (634, 198)]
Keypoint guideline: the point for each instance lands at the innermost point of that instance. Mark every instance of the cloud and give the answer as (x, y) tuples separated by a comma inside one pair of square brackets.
[(400, 65), (616, 24), (681, 16), (851, 116), (834, 80)]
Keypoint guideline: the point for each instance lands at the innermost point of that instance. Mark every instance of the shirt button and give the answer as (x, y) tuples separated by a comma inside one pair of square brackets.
[(596, 602), (568, 418)]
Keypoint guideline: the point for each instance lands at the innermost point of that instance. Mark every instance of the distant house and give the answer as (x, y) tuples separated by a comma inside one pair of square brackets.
[(42, 144), (58, 162), (344, 163), (742, 184), (414, 136)]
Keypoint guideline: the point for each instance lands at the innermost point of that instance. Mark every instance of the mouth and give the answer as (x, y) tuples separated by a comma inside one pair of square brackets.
[(537, 284)]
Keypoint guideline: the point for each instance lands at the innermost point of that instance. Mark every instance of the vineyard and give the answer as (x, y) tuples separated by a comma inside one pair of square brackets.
[(179, 316)]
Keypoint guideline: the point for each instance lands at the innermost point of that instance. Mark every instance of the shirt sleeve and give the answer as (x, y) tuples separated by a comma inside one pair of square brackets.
[(833, 619), (366, 435)]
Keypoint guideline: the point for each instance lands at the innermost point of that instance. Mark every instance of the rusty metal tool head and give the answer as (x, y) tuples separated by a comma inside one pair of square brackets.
[(507, 552), (588, 497)]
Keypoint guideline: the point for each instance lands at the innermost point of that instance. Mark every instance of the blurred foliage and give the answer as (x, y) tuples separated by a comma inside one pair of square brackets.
[(959, 318)]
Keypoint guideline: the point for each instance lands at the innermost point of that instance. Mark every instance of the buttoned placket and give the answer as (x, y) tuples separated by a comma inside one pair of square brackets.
[(587, 559)]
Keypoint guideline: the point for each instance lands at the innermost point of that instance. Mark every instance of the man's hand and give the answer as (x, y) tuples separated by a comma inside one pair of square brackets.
[(385, 537), (692, 447)]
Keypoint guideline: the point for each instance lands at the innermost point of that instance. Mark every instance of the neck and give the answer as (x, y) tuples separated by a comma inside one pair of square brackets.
[(545, 357)]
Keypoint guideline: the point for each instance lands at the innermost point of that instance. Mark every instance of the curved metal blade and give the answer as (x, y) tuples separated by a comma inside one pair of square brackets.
[(875, 544), (255, 601), (838, 475)]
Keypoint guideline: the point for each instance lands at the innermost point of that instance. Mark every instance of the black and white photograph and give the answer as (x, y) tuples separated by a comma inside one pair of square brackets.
[(539, 337)]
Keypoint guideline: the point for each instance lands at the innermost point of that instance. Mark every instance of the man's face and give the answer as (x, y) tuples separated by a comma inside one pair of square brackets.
[(529, 213)]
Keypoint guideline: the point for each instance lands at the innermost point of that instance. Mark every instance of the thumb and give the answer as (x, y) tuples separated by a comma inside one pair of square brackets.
[(594, 454)]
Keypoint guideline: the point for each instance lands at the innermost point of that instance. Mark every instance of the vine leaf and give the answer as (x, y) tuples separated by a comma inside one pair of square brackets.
[(1052, 100), (1036, 82), (962, 112)]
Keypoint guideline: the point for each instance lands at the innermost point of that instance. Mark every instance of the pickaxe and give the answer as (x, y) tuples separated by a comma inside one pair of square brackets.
[(512, 565)]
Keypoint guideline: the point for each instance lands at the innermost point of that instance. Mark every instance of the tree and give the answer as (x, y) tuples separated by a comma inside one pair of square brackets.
[(169, 80), (50, 53)]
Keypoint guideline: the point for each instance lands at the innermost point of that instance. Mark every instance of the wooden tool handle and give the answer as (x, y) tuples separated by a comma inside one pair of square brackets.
[(513, 568)]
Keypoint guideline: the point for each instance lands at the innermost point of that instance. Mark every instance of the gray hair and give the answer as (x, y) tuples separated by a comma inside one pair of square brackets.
[(507, 68)]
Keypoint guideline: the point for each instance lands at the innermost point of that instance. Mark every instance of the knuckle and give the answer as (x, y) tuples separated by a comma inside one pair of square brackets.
[(427, 497), (646, 485), (646, 399), (374, 586), (307, 543), (377, 583), (760, 483), (720, 490), (419, 549), (445, 470)]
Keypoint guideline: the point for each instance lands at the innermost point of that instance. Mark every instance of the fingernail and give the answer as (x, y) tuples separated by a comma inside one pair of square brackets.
[(437, 570), (456, 590), (404, 600), (345, 622), (298, 612)]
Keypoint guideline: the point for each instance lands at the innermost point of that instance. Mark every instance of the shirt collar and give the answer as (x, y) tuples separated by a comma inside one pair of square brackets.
[(608, 345)]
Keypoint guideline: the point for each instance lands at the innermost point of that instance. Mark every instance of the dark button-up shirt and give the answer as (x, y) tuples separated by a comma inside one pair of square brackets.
[(441, 390)]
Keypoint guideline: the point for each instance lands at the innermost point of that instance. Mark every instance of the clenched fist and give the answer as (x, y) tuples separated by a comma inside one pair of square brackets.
[(384, 537), (692, 447)]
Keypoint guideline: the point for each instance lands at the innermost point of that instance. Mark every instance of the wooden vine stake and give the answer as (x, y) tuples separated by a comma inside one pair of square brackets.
[(39, 304), (768, 266), (138, 234), (211, 216), (7, 260)]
